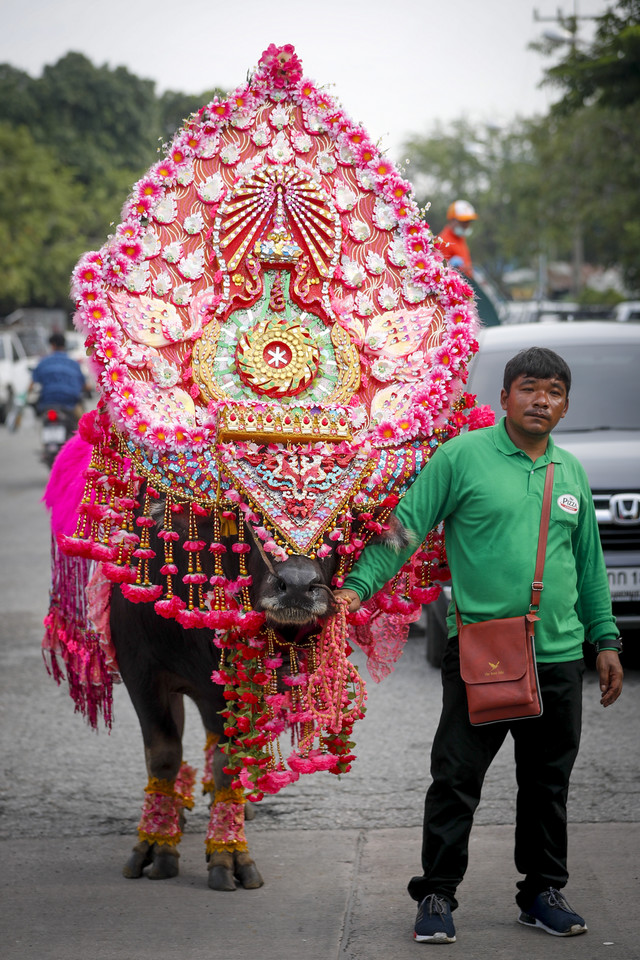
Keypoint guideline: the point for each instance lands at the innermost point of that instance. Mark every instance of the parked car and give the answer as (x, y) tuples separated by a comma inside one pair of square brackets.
[(601, 428), (20, 351)]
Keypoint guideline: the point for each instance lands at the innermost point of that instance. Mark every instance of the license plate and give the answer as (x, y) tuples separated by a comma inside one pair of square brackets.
[(624, 582), (54, 433)]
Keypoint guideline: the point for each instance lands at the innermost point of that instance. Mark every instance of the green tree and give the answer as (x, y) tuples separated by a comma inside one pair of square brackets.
[(41, 230), (606, 73)]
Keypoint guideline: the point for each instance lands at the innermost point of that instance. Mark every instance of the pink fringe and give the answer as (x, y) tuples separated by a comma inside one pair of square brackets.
[(71, 647), (65, 488)]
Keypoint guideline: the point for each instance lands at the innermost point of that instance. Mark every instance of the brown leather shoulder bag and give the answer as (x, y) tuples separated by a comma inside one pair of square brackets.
[(497, 657)]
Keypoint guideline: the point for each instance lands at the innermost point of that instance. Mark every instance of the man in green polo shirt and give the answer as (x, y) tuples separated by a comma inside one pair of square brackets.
[(487, 488)]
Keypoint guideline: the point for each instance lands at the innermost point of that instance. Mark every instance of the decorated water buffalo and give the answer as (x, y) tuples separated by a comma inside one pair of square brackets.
[(279, 348)]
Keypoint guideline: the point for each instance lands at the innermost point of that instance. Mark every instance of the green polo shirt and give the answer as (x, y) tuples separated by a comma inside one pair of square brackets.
[(489, 494)]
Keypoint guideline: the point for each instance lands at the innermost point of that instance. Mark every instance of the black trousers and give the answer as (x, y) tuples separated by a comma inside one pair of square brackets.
[(545, 750)]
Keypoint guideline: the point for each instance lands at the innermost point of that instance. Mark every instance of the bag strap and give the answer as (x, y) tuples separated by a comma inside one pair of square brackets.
[(537, 586)]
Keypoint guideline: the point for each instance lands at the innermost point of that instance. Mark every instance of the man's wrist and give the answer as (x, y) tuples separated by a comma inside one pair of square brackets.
[(602, 645)]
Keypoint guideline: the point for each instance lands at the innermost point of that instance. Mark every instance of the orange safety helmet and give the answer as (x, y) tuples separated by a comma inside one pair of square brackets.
[(461, 210)]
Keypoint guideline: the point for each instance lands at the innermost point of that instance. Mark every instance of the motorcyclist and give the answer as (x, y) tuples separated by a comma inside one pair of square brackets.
[(60, 378), (452, 239)]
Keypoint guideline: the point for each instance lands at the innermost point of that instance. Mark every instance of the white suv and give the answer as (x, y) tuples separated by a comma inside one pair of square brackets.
[(19, 354)]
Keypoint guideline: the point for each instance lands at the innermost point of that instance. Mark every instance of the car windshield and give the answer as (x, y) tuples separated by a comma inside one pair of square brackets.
[(605, 384)]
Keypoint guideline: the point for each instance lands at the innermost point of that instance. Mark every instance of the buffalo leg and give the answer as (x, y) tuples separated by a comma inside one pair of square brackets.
[(159, 831), (228, 858)]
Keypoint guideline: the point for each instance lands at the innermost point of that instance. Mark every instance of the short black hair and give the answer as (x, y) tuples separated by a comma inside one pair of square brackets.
[(538, 362), (58, 341)]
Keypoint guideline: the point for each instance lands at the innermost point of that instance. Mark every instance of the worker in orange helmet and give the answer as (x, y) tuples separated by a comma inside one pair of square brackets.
[(452, 239)]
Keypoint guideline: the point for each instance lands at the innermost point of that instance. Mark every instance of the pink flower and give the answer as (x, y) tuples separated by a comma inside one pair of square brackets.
[(147, 188), (281, 65), (221, 109), (165, 171), (482, 416), (129, 248), (387, 432)]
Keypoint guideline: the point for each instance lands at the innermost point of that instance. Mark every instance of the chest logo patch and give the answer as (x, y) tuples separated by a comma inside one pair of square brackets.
[(568, 503)]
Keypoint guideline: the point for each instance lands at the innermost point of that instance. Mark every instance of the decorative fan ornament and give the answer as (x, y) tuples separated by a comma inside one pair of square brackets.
[(275, 339)]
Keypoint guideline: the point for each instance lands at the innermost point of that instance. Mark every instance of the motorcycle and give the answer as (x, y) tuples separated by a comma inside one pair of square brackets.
[(57, 425)]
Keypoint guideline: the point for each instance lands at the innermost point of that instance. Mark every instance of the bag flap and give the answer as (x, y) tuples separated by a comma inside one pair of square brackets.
[(494, 651)]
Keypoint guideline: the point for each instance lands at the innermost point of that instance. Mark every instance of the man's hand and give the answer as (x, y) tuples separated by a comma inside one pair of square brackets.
[(350, 596), (610, 672)]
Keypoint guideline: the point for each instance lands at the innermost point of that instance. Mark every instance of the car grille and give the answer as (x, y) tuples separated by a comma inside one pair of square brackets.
[(615, 535)]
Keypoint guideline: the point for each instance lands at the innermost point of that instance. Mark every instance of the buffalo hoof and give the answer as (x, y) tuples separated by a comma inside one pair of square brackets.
[(165, 863), (141, 856), (246, 872), (221, 871)]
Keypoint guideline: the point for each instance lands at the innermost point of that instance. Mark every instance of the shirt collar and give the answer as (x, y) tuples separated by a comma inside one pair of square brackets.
[(505, 445)]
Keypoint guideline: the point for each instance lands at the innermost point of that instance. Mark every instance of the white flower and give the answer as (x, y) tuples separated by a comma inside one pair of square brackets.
[(357, 416), (365, 179), (375, 339), (185, 174), (314, 123), (359, 230), (303, 142), (207, 146), (242, 121), (397, 253), (162, 284), (387, 298), (136, 355), (261, 136), (326, 162), (384, 216), (212, 189), (352, 273), (383, 369), (182, 294), (166, 209), (280, 150), (150, 243), (375, 264), (247, 166), (230, 153), (164, 373), (364, 305), (172, 252), (192, 266), (279, 117), (346, 154), (137, 279), (414, 292), (345, 197), (194, 223)]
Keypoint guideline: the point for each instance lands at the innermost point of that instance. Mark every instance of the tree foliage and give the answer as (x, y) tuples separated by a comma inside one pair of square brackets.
[(72, 143), (608, 72), (544, 185)]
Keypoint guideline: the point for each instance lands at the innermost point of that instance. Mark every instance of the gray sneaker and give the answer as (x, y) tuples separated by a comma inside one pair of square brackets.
[(434, 923), (551, 912)]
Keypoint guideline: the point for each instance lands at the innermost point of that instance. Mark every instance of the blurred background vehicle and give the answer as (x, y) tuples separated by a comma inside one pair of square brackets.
[(601, 428), (20, 351)]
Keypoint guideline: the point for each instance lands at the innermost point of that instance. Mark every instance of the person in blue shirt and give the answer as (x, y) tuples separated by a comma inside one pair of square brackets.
[(62, 383)]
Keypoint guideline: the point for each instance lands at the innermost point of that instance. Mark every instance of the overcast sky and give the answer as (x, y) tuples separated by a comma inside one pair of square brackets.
[(396, 66)]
